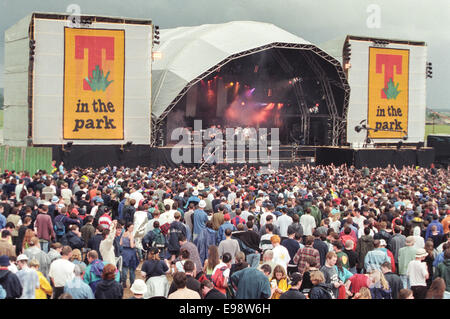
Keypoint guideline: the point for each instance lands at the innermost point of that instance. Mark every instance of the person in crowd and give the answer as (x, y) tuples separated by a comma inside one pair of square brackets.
[(61, 271), (28, 277), (252, 283), (182, 292), (153, 266), (76, 287), (108, 287), (45, 290)]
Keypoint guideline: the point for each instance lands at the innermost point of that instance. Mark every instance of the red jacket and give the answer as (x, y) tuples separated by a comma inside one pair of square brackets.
[(44, 227)]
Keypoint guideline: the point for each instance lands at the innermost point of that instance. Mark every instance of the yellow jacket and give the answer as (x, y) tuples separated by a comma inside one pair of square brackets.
[(44, 289), (283, 285)]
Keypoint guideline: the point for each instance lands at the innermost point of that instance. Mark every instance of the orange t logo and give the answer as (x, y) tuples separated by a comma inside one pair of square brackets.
[(95, 46), (389, 61)]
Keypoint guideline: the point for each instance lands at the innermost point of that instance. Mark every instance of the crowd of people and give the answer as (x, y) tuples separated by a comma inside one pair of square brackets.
[(305, 232)]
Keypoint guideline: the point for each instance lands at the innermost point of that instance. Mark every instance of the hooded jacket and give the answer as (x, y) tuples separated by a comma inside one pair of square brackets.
[(11, 284), (108, 289), (72, 240), (321, 291), (364, 245), (443, 271)]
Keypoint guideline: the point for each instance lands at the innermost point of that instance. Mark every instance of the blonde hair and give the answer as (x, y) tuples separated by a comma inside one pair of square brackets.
[(76, 254), (317, 276), (364, 293), (378, 277), (34, 263)]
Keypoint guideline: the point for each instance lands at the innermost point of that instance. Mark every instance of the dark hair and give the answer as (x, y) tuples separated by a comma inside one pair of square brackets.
[(269, 227), (227, 232), (184, 253), (5, 233), (249, 224), (367, 231), (266, 268), (404, 293), (189, 266), (179, 279), (226, 257), (309, 240), (338, 244)]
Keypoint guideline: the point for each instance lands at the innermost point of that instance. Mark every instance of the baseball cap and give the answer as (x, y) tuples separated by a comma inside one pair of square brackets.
[(227, 217), (4, 260)]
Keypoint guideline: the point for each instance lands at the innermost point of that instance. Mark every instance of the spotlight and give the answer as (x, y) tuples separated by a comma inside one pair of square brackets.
[(405, 137), (368, 140), (358, 128)]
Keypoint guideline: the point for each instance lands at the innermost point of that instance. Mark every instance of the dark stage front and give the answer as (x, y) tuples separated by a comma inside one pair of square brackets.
[(375, 157), (142, 155)]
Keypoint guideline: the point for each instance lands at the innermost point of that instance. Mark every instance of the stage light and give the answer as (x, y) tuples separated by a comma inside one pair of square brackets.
[(368, 140), (231, 83), (429, 70), (242, 103), (269, 92), (358, 128), (399, 145), (347, 52), (157, 55), (256, 69)]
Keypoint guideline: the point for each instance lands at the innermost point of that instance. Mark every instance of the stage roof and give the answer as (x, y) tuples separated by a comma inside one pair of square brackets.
[(188, 52)]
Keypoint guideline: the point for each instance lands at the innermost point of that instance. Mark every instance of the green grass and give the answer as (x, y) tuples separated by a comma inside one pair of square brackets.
[(438, 129)]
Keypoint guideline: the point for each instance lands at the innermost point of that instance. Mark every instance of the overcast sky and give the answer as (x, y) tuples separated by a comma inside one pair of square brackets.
[(314, 20)]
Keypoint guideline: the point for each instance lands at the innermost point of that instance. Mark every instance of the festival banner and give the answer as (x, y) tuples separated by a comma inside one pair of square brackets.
[(388, 93), (94, 69)]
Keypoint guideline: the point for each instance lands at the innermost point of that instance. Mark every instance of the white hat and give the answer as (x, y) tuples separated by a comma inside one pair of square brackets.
[(383, 242), (139, 287), (421, 253), (195, 193), (202, 204), (22, 257), (201, 186)]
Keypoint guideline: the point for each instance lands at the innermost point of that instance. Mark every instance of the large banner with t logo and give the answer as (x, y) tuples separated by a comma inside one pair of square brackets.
[(94, 66), (388, 93)]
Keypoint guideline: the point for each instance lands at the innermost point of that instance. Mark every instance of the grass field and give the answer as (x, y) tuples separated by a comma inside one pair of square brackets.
[(438, 129)]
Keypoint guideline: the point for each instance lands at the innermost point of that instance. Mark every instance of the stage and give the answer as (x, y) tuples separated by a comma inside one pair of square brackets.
[(96, 156)]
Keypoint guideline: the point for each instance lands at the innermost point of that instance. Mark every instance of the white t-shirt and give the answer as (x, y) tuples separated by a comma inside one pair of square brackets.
[(283, 223), (281, 256), (308, 223), (416, 272), (61, 270)]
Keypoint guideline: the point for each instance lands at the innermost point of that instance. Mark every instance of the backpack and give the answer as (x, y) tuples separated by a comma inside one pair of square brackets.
[(60, 228), (218, 278), (159, 241)]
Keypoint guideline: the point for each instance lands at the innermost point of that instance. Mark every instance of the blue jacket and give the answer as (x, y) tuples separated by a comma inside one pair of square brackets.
[(208, 237), (200, 219), (375, 258), (221, 231), (438, 225)]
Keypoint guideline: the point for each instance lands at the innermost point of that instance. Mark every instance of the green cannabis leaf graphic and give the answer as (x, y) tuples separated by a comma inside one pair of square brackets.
[(98, 81), (391, 90)]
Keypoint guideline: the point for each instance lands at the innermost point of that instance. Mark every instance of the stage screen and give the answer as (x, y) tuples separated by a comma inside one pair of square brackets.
[(91, 84)]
